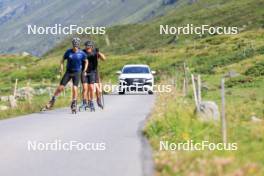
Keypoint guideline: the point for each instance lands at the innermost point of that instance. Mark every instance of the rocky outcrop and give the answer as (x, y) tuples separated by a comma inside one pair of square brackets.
[(3, 108), (208, 111)]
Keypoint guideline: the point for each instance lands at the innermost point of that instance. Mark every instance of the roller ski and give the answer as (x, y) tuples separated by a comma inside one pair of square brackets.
[(100, 103), (74, 107), (84, 106), (91, 106), (48, 106)]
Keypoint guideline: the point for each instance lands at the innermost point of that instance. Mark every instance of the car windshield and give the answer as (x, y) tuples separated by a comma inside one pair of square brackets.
[(135, 70)]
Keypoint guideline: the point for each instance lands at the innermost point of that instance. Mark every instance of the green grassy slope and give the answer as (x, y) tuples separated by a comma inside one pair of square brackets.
[(246, 15), (10, 64)]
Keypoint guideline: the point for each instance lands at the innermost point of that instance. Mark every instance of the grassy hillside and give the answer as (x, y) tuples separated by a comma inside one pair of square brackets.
[(10, 64), (210, 56), (246, 14)]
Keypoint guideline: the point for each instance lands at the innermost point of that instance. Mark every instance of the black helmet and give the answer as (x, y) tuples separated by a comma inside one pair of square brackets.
[(76, 42), (89, 44)]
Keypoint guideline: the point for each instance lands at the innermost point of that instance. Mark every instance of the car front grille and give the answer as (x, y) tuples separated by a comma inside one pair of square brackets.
[(130, 81)]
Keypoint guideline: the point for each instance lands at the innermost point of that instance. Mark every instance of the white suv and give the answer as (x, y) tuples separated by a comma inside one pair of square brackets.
[(135, 78)]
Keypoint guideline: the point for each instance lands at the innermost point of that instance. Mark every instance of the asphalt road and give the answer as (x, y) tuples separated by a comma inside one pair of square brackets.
[(104, 143)]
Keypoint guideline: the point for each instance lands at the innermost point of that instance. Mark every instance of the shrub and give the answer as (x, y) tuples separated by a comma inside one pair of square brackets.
[(36, 75), (206, 65), (256, 70), (261, 50), (238, 81)]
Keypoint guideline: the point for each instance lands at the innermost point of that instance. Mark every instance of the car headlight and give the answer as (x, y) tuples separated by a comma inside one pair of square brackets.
[(122, 81), (149, 80)]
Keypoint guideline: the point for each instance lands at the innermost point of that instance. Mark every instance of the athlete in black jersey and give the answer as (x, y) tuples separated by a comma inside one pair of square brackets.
[(92, 76)]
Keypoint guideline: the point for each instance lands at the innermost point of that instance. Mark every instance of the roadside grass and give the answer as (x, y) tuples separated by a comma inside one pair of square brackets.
[(173, 120)]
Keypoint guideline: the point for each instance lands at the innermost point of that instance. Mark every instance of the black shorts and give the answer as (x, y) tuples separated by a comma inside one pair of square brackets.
[(74, 76), (90, 78)]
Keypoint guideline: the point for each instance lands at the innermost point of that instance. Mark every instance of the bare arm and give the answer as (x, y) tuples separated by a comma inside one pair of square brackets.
[(101, 56), (85, 66)]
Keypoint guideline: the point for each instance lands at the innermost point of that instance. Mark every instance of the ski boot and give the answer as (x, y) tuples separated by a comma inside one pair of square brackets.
[(91, 106), (74, 106), (83, 106), (49, 105)]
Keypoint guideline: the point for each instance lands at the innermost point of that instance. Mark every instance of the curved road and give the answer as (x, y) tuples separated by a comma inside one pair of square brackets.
[(112, 137)]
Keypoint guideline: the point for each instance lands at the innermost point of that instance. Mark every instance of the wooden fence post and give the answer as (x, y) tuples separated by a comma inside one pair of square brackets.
[(175, 78), (185, 78), (28, 92), (199, 90), (223, 117), (15, 88), (107, 41), (184, 87), (195, 94)]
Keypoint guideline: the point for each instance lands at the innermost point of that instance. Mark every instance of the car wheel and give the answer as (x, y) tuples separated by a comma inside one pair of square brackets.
[(150, 92), (122, 92)]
